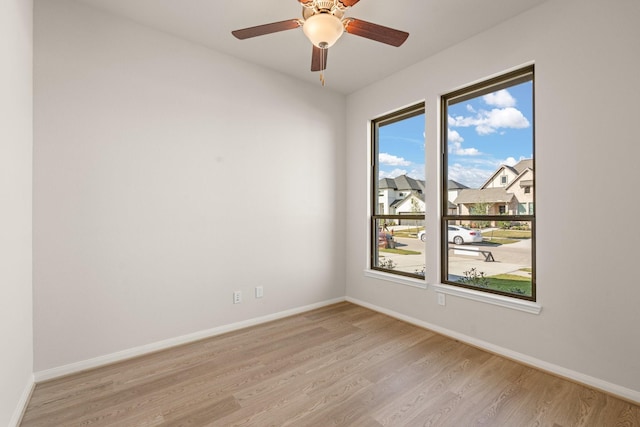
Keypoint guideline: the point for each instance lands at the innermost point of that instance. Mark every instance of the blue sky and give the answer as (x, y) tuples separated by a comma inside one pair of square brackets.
[(401, 148), (484, 133)]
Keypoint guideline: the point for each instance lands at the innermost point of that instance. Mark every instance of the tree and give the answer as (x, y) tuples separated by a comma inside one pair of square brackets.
[(415, 208), (481, 208)]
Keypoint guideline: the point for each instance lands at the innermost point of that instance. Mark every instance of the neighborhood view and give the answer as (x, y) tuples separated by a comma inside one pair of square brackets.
[(482, 253), (489, 171)]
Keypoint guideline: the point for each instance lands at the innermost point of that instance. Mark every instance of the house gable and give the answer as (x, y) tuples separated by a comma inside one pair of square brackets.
[(505, 175), (524, 179), (413, 203)]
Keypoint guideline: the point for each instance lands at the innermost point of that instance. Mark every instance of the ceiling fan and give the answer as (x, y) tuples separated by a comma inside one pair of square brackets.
[(323, 23)]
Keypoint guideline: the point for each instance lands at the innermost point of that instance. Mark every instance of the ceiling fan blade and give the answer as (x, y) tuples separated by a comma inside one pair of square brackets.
[(348, 3), (375, 32), (319, 59), (261, 30)]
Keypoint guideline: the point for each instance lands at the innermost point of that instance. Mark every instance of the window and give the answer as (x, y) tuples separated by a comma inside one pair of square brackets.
[(397, 218), (488, 151), (522, 208)]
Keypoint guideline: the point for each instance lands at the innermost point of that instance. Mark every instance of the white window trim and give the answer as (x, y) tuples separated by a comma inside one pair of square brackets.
[(489, 298), (390, 277), (483, 297), (533, 307)]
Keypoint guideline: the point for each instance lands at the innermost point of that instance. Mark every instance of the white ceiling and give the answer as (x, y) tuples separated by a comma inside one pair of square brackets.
[(353, 62)]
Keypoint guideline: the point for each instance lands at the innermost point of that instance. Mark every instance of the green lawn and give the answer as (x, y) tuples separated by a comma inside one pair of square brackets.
[(508, 234), (400, 251), (504, 237), (498, 240), (510, 283), (408, 232)]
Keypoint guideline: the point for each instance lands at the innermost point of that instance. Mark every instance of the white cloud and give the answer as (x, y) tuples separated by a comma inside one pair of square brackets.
[(392, 174), (417, 173), (509, 117), (471, 176), (455, 145), (509, 161), (456, 148), (501, 98), (459, 121), (454, 136), (488, 122), (391, 160), (464, 122)]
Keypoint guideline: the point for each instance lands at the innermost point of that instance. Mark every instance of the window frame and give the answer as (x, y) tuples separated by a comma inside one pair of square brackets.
[(503, 81), (396, 116)]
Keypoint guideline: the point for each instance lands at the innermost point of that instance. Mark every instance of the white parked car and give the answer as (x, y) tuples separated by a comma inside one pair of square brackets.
[(458, 235)]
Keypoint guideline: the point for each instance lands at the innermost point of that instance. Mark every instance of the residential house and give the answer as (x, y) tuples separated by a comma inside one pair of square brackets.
[(454, 188), (399, 195), (404, 194), (509, 190)]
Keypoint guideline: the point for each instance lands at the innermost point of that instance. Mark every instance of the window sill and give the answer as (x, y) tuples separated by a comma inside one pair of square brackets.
[(484, 297), (487, 298), (409, 281)]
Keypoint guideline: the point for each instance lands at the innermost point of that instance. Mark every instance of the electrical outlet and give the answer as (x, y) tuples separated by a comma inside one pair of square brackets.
[(259, 291), (237, 297), (441, 299)]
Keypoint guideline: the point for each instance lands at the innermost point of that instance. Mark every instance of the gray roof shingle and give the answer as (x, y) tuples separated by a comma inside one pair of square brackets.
[(522, 165), (455, 185), (402, 183)]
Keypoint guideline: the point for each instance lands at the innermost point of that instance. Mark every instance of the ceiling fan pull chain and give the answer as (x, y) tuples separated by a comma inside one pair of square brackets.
[(324, 49)]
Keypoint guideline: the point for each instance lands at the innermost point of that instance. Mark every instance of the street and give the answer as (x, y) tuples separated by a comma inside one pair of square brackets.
[(508, 259)]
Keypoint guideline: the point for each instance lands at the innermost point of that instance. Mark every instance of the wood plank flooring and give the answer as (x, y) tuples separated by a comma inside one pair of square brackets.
[(342, 365)]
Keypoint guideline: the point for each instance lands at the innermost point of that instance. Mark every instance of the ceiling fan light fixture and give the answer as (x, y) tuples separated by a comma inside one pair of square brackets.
[(323, 29)]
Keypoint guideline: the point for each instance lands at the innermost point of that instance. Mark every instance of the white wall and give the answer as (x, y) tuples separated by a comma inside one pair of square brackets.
[(587, 91), (16, 357), (141, 143)]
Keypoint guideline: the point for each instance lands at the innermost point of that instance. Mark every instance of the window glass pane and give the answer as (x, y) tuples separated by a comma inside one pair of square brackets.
[(400, 245), (398, 203), (488, 217), (496, 258), (400, 166), (522, 208), (490, 152)]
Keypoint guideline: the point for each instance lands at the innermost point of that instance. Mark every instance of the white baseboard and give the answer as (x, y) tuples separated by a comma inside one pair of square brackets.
[(22, 403), (96, 362), (613, 389), (605, 386)]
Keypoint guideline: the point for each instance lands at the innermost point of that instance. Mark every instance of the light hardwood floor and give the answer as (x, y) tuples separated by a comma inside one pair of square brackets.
[(339, 365)]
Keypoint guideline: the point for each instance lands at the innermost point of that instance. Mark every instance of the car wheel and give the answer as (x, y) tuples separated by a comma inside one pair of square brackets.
[(458, 240), (423, 237)]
